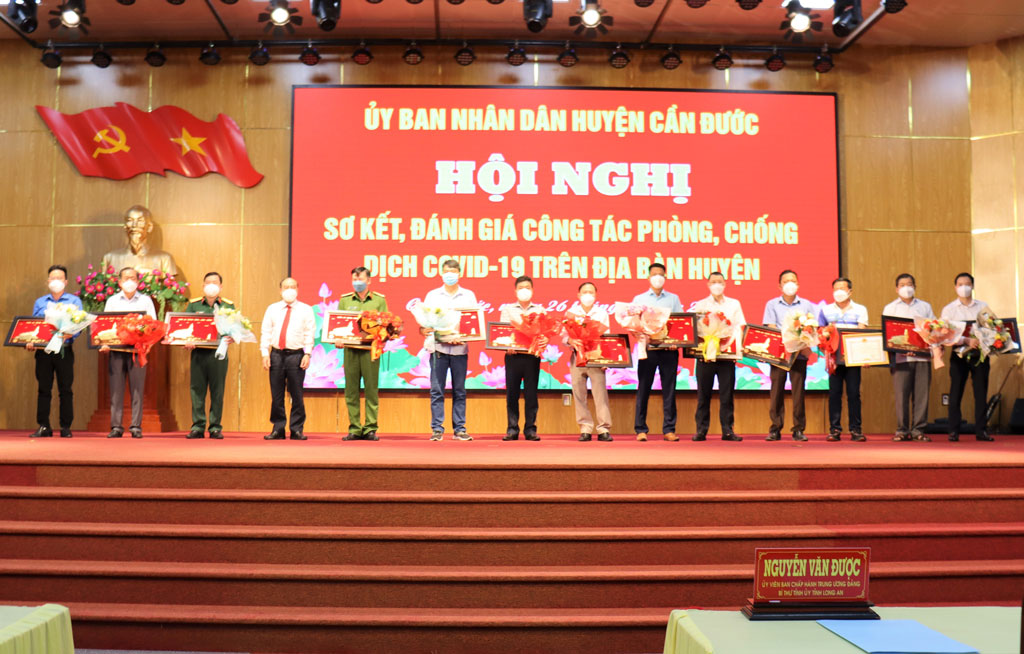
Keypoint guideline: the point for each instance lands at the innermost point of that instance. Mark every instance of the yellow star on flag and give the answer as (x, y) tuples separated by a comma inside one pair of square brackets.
[(190, 143)]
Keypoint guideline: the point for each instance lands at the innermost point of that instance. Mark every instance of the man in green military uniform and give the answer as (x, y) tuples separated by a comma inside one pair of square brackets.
[(208, 372), (358, 364)]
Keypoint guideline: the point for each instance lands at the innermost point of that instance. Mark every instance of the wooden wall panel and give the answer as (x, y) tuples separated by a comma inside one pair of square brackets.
[(878, 175), (991, 99), (942, 189), (994, 286), (34, 155), (874, 93), (938, 97), (269, 149), (993, 182), (85, 86), (79, 200)]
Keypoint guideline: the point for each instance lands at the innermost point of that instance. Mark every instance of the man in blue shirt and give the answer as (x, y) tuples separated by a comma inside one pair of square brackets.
[(844, 313), (775, 313), (663, 362), (61, 364)]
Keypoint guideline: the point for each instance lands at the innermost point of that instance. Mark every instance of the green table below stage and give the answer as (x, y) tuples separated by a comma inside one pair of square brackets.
[(991, 629), (36, 630)]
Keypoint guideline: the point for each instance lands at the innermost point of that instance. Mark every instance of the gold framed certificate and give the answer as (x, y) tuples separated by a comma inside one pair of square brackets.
[(861, 348)]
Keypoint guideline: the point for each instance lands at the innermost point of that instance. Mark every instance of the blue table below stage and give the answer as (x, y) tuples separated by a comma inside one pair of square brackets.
[(36, 630), (991, 629)]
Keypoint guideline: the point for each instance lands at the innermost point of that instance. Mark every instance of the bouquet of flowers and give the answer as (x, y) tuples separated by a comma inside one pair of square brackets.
[(937, 332), (799, 331), (828, 341), (586, 331), (231, 324), (532, 327), (440, 319), (380, 326), (643, 322), (98, 285), (993, 338), (713, 328), (67, 320), (141, 332)]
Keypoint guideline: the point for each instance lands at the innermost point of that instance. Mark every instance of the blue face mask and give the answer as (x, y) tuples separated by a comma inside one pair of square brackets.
[(450, 278), (359, 286)]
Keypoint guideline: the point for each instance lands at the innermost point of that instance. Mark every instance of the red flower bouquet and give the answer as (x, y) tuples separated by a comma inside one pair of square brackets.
[(586, 331), (828, 341), (380, 326), (936, 331), (141, 332), (532, 328)]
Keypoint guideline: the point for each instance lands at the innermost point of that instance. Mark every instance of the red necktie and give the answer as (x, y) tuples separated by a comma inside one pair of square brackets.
[(283, 340)]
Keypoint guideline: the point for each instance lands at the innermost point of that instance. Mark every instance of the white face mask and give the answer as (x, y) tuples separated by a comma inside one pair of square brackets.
[(289, 295), (56, 286), (790, 288), (839, 295), (657, 281), (587, 299), (963, 290), (717, 289), (524, 294), (129, 286), (211, 290), (906, 292)]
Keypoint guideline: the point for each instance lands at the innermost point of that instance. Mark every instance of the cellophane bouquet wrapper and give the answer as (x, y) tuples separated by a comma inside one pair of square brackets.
[(993, 338), (713, 328), (586, 330), (441, 319), (532, 328), (936, 331), (231, 324), (67, 320), (381, 327), (141, 332), (828, 341), (644, 322), (799, 331)]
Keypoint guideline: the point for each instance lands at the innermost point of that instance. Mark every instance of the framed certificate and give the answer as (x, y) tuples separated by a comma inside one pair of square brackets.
[(501, 336), (862, 348), (764, 344), (344, 326), (27, 329), (103, 331), (681, 331), (901, 338), (185, 328), (471, 327), (614, 353)]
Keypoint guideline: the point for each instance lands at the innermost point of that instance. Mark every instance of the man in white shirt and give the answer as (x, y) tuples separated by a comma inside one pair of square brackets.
[(521, 368), (452, 355), (724, 366), (586, 307), (286, 341), (122, 364), (664, 363), (965, 307), (911, 374), (844, 313)]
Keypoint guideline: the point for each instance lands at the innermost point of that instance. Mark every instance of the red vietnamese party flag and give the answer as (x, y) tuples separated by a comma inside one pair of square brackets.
[(120, 142)]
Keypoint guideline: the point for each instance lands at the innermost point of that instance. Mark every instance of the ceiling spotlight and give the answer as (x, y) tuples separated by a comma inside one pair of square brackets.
[(126, 2), (643, 3), (516, 55), (155, 57), (799, 22), (71, 13), (848, 17), (696, 4), (260, 55), (591, 18), (567, 58), (455, 2), (101, 58), (775, 62), (412, 55), (671, 59), (748, 4), (619, 58), (309, 55), (51, 57), (465, 55), (799, 19), (823, 62), (374, 2), (495, 2), (209, 55), (326, 13), (894, 6), (536, 14), (279, 14), (590, 14), (414, 2), (176, 2), (816, 5), (722, 60), (227, 2), (23, 13), (362, 55), (279, 17)]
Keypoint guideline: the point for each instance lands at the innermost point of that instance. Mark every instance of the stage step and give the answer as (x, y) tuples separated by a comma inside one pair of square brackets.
[(469, 587), (519, 509)]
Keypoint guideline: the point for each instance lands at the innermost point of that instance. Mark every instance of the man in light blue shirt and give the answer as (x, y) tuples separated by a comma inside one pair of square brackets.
[(663, 362), (775, 313), (844, 313)]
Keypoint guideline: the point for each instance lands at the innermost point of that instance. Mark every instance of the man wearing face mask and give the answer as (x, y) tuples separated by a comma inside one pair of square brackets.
[(521, 368), (724, 367), (586, 307), (122, 364), (664, 363), (775, 313), (911, 374), (359, 364), (206, 370), (966, 307), (60, 364), (451, 356), (844, 313), (286, 341)]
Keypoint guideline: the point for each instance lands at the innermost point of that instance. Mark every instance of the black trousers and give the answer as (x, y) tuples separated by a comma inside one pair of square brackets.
[(777, 396), (285, 371), (706, 373), (521, 369), (63, 367), (851, 378), (958, 372), (665, 363)]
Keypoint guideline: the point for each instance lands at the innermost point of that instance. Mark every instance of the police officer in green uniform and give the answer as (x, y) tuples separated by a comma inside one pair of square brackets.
[(208, 372), (358, 364)]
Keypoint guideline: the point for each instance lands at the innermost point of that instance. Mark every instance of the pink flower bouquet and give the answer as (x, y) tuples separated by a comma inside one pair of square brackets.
[(645, 323), (937, 332), (799, 331)]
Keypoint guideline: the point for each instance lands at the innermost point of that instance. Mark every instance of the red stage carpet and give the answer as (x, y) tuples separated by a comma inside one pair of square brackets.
[(407, 545)]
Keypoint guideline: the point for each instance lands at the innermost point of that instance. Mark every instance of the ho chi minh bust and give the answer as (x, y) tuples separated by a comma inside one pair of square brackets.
[(138, 224)]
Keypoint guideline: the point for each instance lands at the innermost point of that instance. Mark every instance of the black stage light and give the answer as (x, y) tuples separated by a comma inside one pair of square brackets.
[(209, 55), (260, 55), (412, 55), (101, 58), (516, 55), (176, 2), (227, 2), (847, 17), (722, 60), (374, 2), (414, 2), (23, 13), (155, 57), (326, 13), (455, 2), (495, 2), (619, 58), (536, 14), (71, 14), (567, 58), (51, 57), (671, 60), (748, 4), (894, 6), (362, 55), (823, 62), (309, 55), (465, 55), (696, 4), (126, 2), (643, 3), (775, 62)]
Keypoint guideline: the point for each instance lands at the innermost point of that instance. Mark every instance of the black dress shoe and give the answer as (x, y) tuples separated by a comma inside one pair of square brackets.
[(983, 436), (136, 433), (115, 433), (370, 436), (42, 432), (532, 437), (351, 437), (585, 438), (604, 437), (274, 436), (297, 436), (195, 433), (65, 432), (833, 437), (857, 437), (773, 436), (954, 438), (511, 437), (731, 437), (799, 436), (700, 437), (216, 434)]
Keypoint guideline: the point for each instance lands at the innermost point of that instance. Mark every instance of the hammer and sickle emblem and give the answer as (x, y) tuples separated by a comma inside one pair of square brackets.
[(118, 145)]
